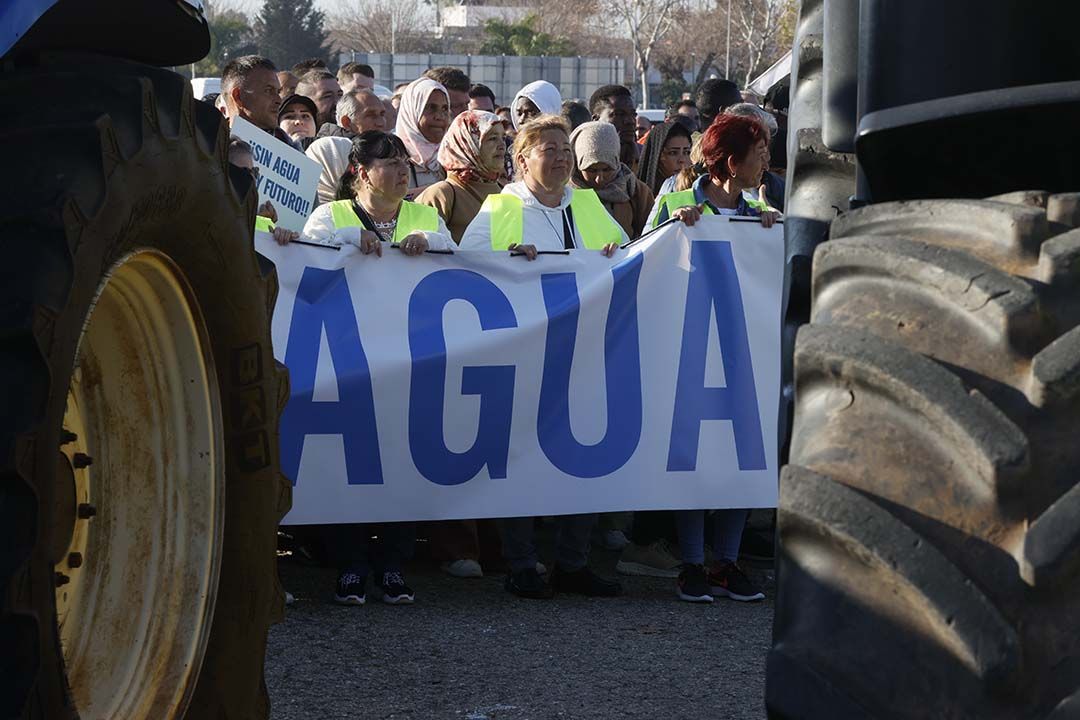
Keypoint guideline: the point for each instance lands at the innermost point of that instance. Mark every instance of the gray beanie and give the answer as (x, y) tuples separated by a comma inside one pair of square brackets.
[(595, 142)]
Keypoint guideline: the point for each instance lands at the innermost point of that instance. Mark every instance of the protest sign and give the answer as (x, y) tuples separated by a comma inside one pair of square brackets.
[(482, 385), (288, 178)]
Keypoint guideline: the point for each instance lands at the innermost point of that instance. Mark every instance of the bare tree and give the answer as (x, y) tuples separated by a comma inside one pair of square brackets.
[(757, 23), (762, 31), (380, 26), (647, 21)]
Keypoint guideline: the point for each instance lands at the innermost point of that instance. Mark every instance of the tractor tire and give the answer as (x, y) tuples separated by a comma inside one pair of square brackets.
[(820, 182), (140, 490), (929, 522)]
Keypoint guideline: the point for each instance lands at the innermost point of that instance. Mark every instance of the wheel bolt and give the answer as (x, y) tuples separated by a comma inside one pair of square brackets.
[(86, 511), (66, 436), (75, 560), (62, 579), (82, 460)]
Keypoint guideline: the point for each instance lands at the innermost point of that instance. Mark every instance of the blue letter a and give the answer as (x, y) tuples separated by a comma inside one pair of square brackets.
[(622, 371), (714, 284), (322, 300), (494, 383)]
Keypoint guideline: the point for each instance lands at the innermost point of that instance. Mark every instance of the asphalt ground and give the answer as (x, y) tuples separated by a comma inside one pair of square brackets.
[(468, 649)]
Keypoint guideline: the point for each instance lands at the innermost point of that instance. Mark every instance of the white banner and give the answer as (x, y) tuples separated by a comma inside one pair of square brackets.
[(287, 177), (482, 385)]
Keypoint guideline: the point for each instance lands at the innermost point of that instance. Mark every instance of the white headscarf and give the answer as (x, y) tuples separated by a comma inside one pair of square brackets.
[(414, 98), (332, 154), (544, 96)]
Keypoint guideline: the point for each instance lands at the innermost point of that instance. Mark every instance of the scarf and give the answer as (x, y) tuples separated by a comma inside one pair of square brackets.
[(617, 191), (459, 152), (422, 152)]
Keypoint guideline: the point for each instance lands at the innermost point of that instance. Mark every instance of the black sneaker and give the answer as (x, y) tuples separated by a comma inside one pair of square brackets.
[(527, 583), (692, 585), (395, 591), (728, 580), (350, 589), (584, 582)]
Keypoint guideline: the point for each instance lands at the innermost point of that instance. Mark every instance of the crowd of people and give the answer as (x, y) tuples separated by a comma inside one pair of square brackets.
[(438, 165)]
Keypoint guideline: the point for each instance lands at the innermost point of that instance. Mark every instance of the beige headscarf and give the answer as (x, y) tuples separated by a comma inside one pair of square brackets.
[(422, 152), (332, 154)]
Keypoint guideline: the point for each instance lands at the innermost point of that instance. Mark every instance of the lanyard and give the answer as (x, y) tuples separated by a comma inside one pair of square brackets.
[(366, 220), (568, 228)]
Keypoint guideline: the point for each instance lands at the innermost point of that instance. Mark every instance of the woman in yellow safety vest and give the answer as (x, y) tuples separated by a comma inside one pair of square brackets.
[(540, 212), (371, 209), (735, 151)]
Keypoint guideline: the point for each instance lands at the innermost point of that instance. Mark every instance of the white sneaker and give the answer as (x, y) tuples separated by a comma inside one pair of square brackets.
[(289, 599), (464, 568), (614, 540)]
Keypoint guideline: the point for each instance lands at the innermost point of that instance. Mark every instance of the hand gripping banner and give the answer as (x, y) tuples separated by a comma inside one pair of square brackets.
[(476, 384)]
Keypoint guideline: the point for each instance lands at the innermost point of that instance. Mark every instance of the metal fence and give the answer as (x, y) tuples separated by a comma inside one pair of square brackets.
[(576, 77)]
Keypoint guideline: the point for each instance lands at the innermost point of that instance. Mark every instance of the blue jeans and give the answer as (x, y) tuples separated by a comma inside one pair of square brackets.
[(727, 534), (571, 541), (354, 551)]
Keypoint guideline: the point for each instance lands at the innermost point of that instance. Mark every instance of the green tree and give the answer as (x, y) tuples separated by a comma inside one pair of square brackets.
[(522, 38), (671, 91), (287, 31), (230, 36)]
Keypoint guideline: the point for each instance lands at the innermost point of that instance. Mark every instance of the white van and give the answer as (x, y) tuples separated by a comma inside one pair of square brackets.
[(201, 87), (653, 116)]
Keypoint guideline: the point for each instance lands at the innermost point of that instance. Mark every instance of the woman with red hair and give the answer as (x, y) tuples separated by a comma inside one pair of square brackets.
[(736, 154)]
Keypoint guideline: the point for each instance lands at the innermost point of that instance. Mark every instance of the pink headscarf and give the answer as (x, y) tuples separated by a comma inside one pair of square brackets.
[(460, 149), (422, 151)]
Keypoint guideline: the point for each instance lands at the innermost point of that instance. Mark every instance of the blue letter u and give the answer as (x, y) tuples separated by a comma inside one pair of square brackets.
[(622, 373)]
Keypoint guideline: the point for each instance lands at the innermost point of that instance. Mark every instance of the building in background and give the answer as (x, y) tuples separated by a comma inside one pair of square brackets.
[(576, 77)]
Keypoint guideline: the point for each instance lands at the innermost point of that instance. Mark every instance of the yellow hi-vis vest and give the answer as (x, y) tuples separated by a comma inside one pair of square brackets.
[(675, 200), (685, 198), (411, 217), (263, 224), (595, 226)]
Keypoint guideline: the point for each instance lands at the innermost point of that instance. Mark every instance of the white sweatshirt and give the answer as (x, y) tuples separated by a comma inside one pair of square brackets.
[(542, 226), (319, 228)]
